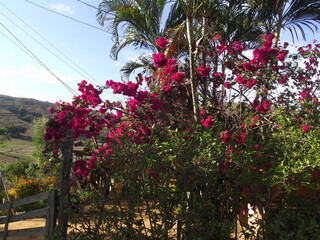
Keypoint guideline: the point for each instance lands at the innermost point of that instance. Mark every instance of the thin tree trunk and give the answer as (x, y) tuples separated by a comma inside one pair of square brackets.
[(204, 55), (192, 68), (278, 29)]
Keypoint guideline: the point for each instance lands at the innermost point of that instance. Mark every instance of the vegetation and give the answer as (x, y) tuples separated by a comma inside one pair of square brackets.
[(208, 143), (4, 136), (16, 120), (150, 170), (24, 166), (140, 23), (19, 112)]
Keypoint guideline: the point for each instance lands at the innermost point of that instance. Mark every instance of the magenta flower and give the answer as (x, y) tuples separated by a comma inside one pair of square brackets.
[(162, 42), (281, 57), (227, 85), (159, 60), (216, 37), (178, 77), (241, 137), (248, 67), (207, 122), (305, 128), (203, 71), (225, 136)]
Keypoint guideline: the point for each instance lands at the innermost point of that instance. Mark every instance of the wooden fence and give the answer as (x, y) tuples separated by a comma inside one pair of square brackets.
[(50, 212)]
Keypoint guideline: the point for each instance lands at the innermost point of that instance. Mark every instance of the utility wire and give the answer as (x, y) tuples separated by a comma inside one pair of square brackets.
[(101, 29), (31, 55), (19, 46), (88, 4), (75, 64), (40, 62), (46, 47)]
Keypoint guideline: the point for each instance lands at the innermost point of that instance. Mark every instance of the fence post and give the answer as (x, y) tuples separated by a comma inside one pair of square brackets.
[(67, 153), (7, 222), (51, 217)]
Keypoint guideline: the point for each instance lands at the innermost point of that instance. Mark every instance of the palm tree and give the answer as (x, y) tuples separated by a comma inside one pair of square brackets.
[(136, 23), (140, 21), (189, 24), (292, 15)]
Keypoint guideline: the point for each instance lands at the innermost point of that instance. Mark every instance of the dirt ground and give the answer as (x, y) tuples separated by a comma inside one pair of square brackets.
[(31, 223)]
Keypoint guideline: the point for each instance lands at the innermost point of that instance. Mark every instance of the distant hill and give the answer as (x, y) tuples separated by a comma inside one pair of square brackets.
[(16, 111)]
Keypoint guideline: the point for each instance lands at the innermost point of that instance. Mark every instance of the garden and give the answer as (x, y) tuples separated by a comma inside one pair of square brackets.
[(194, 175), (214, 139)]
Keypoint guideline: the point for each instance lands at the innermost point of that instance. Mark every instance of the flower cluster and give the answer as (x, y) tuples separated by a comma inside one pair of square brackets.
[(239, 112)]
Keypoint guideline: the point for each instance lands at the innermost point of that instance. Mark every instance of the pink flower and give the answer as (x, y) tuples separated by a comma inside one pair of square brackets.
[(281, 57), (166, 88), (154, 175), (305, 128), (305, 94), (227, 85), (241, 80), (162, 42), (178, 77), (202, 112), (159, 60), (241, 138), (207, 122), (203, 71), (216, 37), (250, 83), (237, 46), (225, 136), (283, 79), (248, 67), (263, 107)]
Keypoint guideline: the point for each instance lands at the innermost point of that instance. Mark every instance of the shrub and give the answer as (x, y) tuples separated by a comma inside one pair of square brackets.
[(191, 174), (13, 171), (25, 187)]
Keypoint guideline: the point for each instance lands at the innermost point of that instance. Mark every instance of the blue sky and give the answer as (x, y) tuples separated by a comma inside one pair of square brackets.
[(87, 47)]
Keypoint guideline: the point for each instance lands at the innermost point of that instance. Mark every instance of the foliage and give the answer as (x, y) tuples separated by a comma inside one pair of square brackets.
[(3, 136), (25, 187), (45, 160), (13, 171), (15, 131), (149, 170)]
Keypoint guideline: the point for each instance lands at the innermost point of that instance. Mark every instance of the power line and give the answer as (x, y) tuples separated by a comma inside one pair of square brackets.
[(31, 55), (101, 29), (75, 64), (40, 62), (19, 46), (88, 4), (46, 47)]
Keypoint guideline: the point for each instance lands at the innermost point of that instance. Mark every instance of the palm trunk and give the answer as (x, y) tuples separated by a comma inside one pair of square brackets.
[(192, 68), (203, 55), (278, 29)]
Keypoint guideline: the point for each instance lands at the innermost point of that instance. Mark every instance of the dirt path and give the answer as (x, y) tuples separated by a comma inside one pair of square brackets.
[(32, 223)]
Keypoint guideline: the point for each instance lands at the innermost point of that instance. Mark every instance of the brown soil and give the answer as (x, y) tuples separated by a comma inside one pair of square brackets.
[(31, 223)]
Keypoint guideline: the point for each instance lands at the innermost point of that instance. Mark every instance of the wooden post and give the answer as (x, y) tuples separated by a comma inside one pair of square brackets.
[(52, 212), (67, 153), (6, 226)]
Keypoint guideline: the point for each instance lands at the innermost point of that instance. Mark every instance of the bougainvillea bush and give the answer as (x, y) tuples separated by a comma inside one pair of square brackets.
[(248, 168)]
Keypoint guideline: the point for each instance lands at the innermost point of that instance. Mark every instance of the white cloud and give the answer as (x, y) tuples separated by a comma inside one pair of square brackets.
[(62, 8), (34, 82), (34, 73)]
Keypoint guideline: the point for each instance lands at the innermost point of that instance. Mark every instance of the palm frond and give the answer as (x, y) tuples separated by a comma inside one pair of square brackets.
[(144, 62)]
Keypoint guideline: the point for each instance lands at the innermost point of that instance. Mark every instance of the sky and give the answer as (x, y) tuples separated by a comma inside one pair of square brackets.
[(72, 51)]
